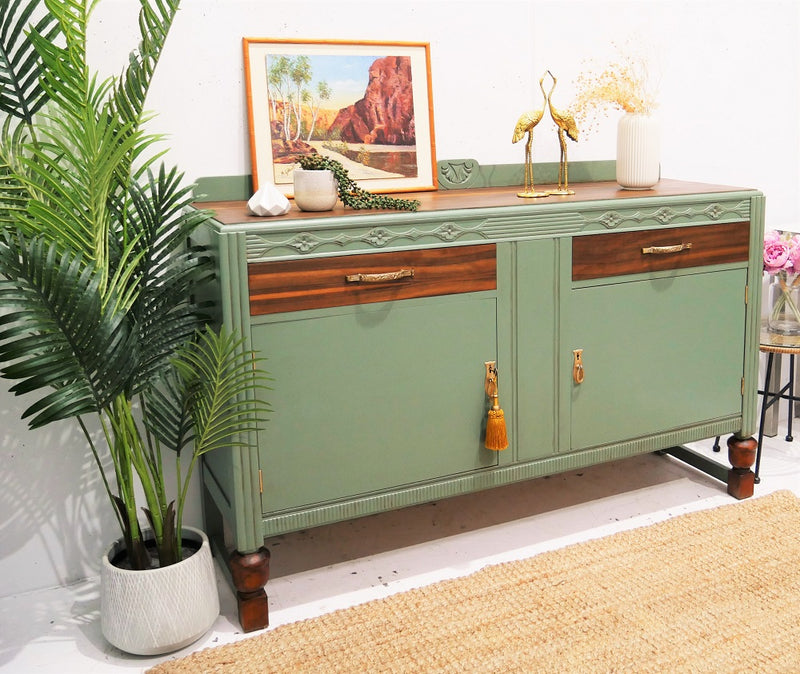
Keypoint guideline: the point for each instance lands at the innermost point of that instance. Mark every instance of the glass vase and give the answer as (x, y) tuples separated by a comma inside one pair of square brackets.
[(783, 304)]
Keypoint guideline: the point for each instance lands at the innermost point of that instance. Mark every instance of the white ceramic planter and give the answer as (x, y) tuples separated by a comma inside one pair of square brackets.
[(159, 610), (638, 151), (314, 190)]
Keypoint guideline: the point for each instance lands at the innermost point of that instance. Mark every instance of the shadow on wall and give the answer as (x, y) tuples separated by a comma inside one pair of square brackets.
[(55, 519)]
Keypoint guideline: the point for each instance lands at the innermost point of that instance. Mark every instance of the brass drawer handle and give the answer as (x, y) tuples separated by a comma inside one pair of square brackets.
[(578, 373), (666, 250), (378, 278)]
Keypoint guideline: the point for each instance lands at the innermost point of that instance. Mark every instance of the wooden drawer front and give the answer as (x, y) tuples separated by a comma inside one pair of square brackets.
[(600, 255), (318, 283)]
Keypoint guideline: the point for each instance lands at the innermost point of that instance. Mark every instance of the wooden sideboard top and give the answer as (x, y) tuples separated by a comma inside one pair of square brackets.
[(235, 212)]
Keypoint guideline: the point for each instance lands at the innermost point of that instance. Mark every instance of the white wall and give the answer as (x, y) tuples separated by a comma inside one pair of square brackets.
[(729, 107)]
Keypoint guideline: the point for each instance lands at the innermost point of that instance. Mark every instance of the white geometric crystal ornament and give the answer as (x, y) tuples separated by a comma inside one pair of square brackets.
[(268, 200)]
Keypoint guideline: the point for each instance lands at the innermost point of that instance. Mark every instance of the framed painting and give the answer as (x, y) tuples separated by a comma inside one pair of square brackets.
[(365, 104)]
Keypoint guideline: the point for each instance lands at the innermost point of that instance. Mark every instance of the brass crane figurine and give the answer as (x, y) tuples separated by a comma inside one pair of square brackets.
[(566, 124), (525, 124)]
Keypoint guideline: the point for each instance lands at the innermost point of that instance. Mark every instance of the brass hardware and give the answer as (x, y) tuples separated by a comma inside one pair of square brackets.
[(666, 250), (260, 482), (577, 366), (742, 385), (496, 433), (378, 278), (746, 295), (490, 384), (525, 125)]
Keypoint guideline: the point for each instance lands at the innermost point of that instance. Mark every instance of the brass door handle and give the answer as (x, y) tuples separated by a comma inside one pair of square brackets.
[(578, 372), (378, 278), (666, 250)]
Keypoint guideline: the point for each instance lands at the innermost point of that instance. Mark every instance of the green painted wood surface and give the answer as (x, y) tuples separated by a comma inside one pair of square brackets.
[(375, 397), (658, 354), (753, 317), (536, 350)]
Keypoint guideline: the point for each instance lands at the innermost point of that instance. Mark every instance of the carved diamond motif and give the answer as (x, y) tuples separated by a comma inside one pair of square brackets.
[(378, 236), (714, 211), (304, 243), (610, 220), (664, 215), (448, 232)]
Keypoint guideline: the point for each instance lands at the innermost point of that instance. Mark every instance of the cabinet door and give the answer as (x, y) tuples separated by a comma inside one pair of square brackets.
[(374, 397), (658, 354)]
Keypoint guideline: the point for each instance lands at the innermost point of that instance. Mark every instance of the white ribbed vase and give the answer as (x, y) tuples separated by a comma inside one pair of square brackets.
[(159, 610), (638, 151)]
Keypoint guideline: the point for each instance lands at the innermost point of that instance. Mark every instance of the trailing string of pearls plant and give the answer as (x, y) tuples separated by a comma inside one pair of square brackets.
[(349, 192)]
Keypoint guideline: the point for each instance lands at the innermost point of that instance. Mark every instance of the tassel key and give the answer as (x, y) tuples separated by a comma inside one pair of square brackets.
[(496, 434)]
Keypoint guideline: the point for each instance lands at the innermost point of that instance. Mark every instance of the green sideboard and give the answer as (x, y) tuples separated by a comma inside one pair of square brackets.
[(378, 382)]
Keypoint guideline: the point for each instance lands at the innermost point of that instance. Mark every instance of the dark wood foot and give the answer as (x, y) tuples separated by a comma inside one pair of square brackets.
[(742, 455), (250, 573)]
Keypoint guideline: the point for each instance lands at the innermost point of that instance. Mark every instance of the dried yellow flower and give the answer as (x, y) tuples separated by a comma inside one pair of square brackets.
[(622, 85)]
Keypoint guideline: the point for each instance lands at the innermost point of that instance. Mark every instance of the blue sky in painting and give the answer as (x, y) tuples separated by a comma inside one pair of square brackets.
[(346, 75)]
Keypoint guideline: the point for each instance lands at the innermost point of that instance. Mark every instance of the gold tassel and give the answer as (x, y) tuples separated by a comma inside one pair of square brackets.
[(496, 435)]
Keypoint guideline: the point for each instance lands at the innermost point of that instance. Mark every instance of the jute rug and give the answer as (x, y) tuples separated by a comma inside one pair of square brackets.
[(710, 591)]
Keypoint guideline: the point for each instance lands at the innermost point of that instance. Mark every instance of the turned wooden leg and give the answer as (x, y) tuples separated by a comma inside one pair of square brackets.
[(742, 455), (250, 574)]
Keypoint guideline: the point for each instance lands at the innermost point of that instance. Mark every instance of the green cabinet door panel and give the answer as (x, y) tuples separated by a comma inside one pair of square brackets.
[(373, 397), (658, 355)]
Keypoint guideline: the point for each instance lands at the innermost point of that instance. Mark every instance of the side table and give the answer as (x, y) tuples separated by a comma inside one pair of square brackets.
[(772, 344)]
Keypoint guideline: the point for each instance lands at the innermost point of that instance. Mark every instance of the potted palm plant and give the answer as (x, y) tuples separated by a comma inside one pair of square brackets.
[(97, 284)]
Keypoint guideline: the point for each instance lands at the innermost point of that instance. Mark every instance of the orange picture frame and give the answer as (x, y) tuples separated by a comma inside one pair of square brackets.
[(366, 104)]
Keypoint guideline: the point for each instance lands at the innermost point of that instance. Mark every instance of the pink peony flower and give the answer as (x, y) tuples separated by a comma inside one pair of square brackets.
[(776, 255), (794, 253)]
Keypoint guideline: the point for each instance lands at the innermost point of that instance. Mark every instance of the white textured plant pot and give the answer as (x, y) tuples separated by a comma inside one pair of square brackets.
[(314, 190), (638, 151), (159, 610)]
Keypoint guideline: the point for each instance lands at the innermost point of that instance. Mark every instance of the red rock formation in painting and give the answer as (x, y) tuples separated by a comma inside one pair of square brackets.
[(385, 116)]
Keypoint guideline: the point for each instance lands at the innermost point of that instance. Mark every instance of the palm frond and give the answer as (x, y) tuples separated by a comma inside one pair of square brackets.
[(13, 192), (71, 173), (133, 85), (169, 271), (221, 382), (66, 73), (166, 413), (21, 92), (155, 21), (56, 333)]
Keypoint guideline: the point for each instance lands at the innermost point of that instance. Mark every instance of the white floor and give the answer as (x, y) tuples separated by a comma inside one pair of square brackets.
[(332, 567)]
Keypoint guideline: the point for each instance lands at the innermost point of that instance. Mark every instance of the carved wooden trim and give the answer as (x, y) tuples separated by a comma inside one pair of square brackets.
[(478, 215)]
